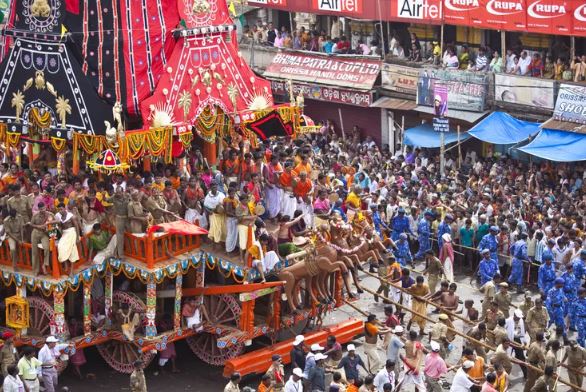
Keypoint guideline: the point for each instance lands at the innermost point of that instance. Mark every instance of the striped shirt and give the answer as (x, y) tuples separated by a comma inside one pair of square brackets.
[(539, 248)]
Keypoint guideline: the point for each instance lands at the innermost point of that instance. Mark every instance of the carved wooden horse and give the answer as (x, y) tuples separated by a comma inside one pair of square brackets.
[(317, 264)]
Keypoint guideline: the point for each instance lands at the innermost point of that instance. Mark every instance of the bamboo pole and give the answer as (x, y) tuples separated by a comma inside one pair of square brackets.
[(477, 342), (448, 312)]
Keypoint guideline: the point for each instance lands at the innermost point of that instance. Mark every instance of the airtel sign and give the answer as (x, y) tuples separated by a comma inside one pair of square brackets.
[(339, 6), (428, 10)]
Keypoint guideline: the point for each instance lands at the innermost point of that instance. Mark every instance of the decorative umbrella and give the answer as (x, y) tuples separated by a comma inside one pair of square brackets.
[(108, 162)]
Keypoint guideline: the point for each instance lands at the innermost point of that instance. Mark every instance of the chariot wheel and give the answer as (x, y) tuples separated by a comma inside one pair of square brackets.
[(121, 356), (41, 313), (225, 310)]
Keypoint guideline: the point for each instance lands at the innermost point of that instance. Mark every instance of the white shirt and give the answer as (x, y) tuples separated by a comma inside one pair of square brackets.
[(12, 384), (517, 328), (524, 64), (47, 356), (461, 382), (383, 377), (293, 386), (212, 201)]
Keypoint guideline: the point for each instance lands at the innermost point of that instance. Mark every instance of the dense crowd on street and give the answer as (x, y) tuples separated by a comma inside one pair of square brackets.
[(508, 224)]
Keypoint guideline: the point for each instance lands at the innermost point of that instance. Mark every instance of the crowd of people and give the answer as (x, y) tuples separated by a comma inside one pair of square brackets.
[(507, 223), (306, 39)]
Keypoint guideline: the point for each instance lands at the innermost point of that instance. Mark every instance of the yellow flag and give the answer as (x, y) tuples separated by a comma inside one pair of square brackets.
[(232, 8), (63, 31)]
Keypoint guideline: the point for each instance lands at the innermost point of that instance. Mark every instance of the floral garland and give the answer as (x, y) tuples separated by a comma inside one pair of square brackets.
[(210, 125), (186, 139), (12, 139), (345, 251)]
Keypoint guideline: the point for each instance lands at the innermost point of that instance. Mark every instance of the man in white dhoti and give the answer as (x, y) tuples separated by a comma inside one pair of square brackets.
[(67, 246), (213, 205), (194, 313), (230, 203)]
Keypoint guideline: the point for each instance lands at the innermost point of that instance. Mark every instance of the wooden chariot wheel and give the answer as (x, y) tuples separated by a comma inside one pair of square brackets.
[(119, 355), (223, 310), (41, 313)]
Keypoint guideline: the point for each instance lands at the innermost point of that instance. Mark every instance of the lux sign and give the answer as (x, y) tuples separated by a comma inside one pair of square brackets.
[(339, 5)]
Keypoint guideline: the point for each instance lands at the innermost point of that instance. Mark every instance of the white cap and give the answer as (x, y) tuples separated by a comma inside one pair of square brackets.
[(518, 313), (51, 339), (468, 365), (298, 372), (398, 329), (316, 347), (298, 340), (351, 347), (319, 356), (435, 346)]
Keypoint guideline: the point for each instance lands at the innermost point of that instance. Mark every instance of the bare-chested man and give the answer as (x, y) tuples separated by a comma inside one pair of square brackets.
[(449, 301)]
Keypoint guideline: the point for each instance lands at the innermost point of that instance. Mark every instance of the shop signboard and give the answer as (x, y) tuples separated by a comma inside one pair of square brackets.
[(344, 7), (441, 124), (343, 71), (579, 17), (549, 16), (321, 93), (571, 104), (429, 11), (399, 78), (466, 90), (522, 90)]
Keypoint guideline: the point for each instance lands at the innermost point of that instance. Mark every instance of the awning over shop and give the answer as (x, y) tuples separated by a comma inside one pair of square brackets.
[(501, 128), (424, 136), (470, 117), (558, 146), (552, 123), (394, 104)]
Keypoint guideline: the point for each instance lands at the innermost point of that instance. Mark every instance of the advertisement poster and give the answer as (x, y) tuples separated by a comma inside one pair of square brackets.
[(522, 90), (466, 90), (440, 100), (571, 104), (342, 71), (399, 78)]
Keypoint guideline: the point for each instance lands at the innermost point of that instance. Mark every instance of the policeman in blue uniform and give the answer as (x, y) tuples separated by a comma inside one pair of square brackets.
[(400, 224), (490, 242), (519, 253), (424, 234), (377, 221), (443, 228), (556, 303), (487, 268), (579, 264), (546, 274), (571, 286), (403, 253), (579, 310)]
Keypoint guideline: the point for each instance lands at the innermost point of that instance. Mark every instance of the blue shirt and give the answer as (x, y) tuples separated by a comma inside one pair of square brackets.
[(400, 225), (556, 300), (546, 276), (424, 228), (328, 45), (350, 366), (403, 253), (571, 285), (487, 270), (579, 268), (489, 242), (519, 250), (442, 229)]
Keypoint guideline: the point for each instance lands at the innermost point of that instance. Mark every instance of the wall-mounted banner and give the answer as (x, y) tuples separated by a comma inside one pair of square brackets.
[(522, 90), (571, 104), (466, 90)]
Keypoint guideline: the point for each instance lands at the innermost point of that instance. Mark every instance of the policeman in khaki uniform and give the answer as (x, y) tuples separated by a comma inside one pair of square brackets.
[(8, 354), (537, 318), (19, 203), (120, 201), (136, 214), (14, 228)]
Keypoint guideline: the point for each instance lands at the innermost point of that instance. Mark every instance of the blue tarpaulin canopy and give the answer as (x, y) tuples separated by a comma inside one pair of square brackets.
[(424, 136), (501, 128), (558, 146)]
